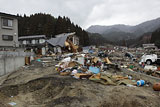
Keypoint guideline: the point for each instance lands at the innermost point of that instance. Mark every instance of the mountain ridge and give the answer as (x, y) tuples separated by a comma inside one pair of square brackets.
[(138, 29), (121, 32)]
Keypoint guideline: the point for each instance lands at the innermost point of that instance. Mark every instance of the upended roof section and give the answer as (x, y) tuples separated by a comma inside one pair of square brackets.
[(59, 41)]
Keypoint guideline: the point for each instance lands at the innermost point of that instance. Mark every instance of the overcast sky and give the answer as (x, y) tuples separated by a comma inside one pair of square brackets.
[(88, 12)]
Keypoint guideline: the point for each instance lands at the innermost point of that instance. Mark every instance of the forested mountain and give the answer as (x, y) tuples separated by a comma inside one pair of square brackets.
[(150, 37), (144, 39), (124, 32), (118, 35), (155, 38), (108, 29), (97, 39), (39, 24)]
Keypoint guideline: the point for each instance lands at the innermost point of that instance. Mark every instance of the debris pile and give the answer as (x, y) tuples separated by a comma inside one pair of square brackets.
[(92, 67), (106, 67)]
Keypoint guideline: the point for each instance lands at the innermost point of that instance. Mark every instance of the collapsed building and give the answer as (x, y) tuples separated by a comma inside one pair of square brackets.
[(64, 42)]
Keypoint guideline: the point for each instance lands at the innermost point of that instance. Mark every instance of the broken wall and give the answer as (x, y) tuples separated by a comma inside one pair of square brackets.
[(11, 61)]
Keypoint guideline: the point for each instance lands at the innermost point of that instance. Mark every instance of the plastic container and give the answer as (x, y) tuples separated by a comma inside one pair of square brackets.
[(140, 83)]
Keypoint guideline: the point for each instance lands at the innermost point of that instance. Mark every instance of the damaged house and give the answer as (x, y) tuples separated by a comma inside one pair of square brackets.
[(64, 42), (35, 43)]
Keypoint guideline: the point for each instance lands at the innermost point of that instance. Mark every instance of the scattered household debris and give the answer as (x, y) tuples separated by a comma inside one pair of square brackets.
[(12, 103), (156, 86), (140, 83), (93, 67), (150, 67)]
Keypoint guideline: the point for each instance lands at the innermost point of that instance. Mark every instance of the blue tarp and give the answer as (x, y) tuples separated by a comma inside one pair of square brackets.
[(94, 70)]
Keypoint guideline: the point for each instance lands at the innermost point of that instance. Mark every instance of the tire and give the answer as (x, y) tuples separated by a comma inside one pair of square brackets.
[(148, 62)]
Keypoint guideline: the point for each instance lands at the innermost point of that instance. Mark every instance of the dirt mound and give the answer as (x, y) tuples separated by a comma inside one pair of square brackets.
[(52, 91)]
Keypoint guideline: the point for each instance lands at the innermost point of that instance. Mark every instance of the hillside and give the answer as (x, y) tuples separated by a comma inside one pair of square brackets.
[(107, 29), (97, 39), (115, 33), (155, 38), (48, 25), (118, 35), (144, 39)]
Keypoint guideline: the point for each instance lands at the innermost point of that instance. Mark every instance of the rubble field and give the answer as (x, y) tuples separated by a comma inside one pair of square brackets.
[(46, 84)]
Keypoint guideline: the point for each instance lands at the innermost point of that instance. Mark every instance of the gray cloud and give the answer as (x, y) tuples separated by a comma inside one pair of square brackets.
[(88, 12)]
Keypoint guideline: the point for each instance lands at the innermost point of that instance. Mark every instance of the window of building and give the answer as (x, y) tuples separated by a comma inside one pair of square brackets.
[(7, 37), (41, 41), (21, 42), (24, 42), (30, 41), (37, 41), (33, 41), (7, 22), (27, 41)]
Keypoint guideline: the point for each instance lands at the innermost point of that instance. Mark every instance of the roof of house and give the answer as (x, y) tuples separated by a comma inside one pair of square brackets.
[(32, 37), (8, 15), (60, 39)]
